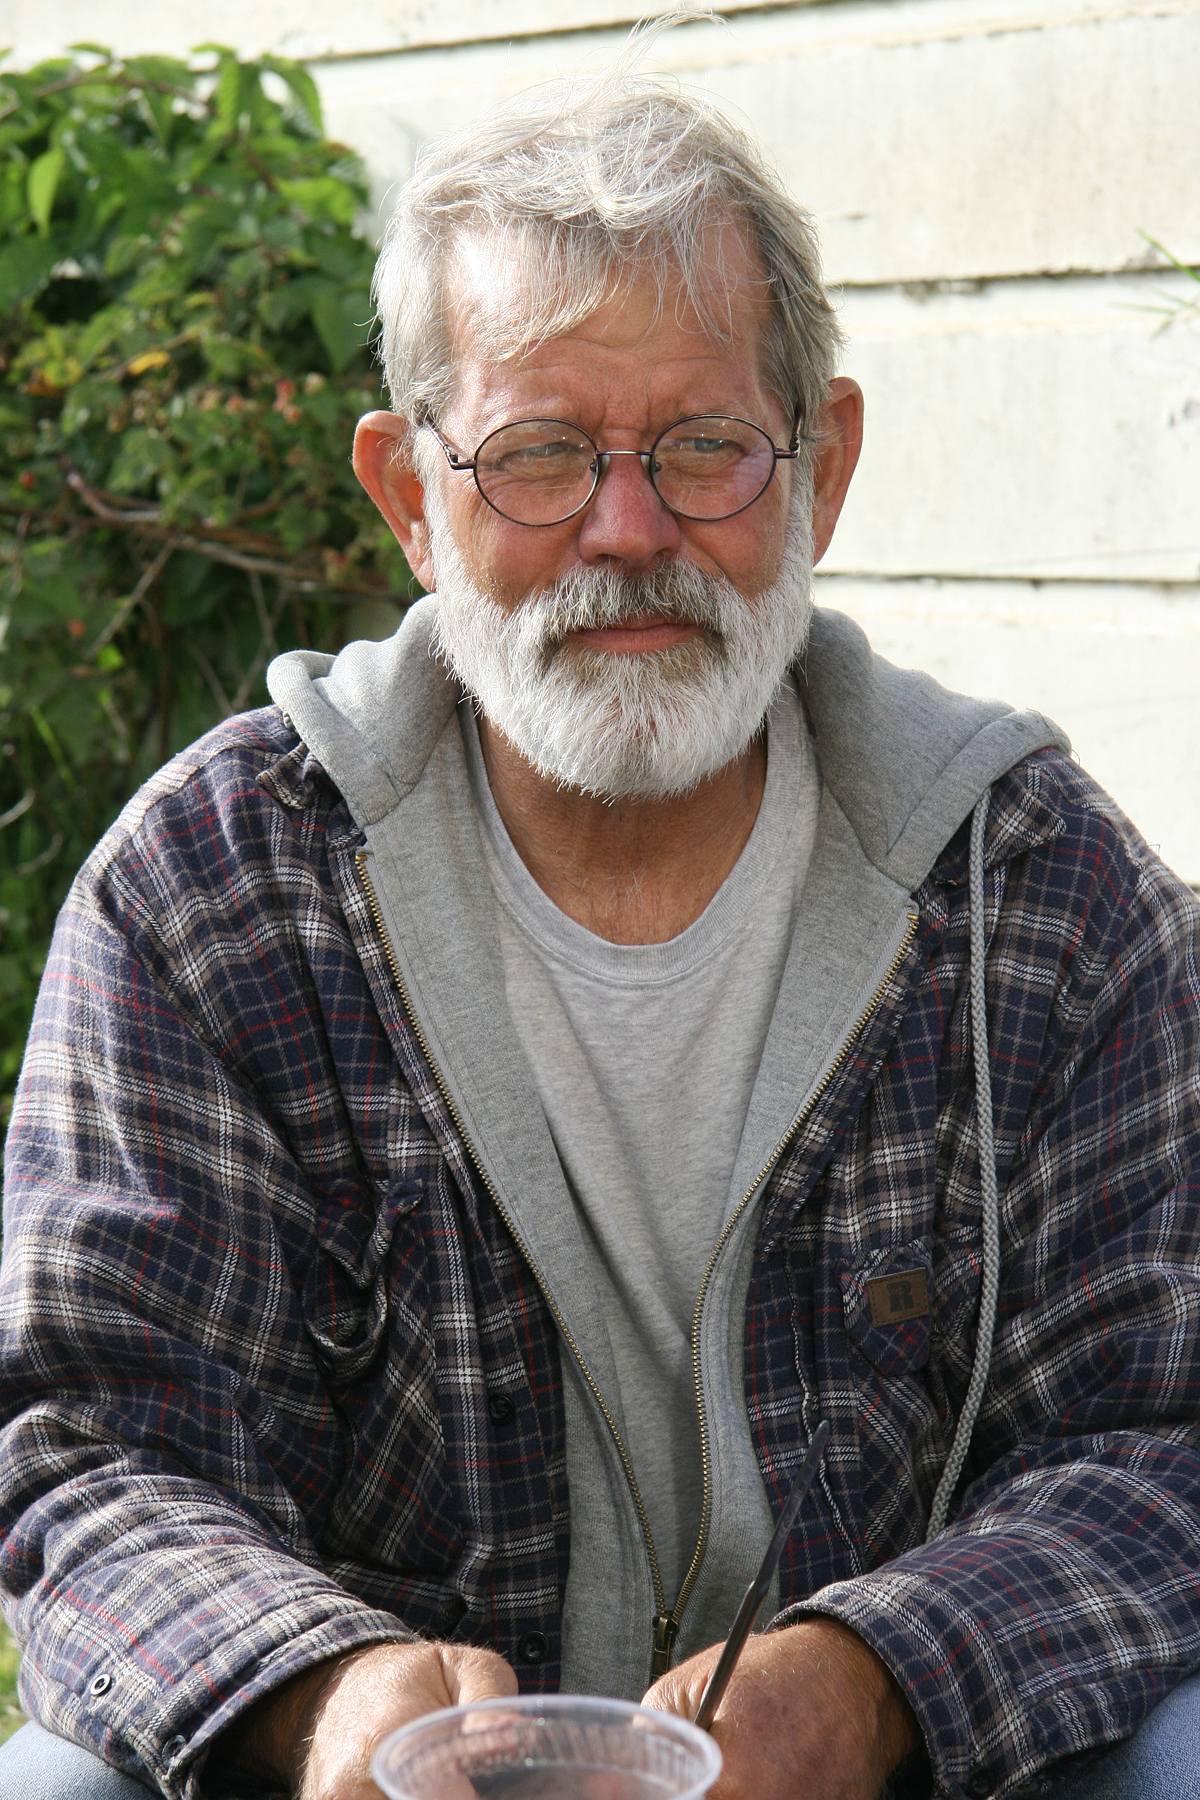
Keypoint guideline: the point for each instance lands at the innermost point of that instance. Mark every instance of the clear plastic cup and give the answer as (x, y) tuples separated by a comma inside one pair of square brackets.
[(547, 1747)]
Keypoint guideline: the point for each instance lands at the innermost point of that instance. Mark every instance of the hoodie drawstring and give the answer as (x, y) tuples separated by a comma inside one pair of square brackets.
[(990, 1287)]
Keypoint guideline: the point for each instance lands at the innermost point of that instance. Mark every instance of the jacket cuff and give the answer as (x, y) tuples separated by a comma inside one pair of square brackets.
[(153, 1704), (977, 1742)]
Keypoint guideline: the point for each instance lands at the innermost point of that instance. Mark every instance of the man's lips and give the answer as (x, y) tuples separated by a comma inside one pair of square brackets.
[(636, 637)]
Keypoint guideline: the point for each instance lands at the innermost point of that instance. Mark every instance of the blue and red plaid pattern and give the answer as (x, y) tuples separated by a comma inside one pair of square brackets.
[(277, 1383)]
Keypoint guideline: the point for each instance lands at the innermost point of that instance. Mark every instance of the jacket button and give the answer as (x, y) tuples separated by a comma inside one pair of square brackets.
[(533, 1647), (172, 1747), (501, 1410), (100, 1684), (979, 1784)]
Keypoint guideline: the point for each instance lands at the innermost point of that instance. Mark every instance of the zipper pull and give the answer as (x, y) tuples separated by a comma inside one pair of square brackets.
[(665, 1630)]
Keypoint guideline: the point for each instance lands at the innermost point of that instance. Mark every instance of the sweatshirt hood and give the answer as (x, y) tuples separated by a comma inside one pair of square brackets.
[(905, 758)]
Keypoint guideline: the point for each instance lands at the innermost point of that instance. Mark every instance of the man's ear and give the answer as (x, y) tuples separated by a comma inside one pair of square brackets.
[(841, 427), (383, 463)]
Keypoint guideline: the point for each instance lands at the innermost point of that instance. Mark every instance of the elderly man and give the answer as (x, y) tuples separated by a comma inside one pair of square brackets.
[(485, 1110)]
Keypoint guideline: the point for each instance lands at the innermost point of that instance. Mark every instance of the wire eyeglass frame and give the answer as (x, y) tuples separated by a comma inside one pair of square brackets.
[(602, 458)]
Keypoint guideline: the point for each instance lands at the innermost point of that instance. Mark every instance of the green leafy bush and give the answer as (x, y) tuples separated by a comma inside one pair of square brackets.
[(184, 313), (11, 1716)]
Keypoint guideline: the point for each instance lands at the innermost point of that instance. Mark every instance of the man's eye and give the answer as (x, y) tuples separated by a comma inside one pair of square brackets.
[(540, 459), (693, 451)]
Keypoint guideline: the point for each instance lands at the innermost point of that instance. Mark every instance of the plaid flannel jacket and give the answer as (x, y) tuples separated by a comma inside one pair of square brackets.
[(277, 1383)]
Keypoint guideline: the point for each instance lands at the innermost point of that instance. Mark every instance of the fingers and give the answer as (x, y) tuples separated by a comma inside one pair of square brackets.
[(375, 1692)]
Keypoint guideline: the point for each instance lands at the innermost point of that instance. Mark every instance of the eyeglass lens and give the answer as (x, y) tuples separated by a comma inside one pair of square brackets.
[(540, 471)]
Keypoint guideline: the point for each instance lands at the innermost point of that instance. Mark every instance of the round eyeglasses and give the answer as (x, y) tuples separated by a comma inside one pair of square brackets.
[(544, 471)]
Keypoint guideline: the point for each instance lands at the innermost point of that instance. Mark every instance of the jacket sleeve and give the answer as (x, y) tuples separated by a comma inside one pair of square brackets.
[(1063, 1599), (169, 1450)]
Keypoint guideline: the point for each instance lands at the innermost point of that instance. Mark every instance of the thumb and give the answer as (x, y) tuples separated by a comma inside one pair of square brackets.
[(679, 1690), (473, 1674)]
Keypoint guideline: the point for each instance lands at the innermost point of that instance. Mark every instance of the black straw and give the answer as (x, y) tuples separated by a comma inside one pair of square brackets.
[(756, 1593)]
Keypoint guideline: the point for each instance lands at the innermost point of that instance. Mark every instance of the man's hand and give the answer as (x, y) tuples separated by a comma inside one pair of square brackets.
[(809, 1711), (318, 1733)]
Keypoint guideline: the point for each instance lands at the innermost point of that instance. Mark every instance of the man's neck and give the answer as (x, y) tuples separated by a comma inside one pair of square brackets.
[(632, 871)]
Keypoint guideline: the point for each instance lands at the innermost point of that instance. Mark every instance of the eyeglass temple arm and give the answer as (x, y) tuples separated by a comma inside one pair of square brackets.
[(452, 456)]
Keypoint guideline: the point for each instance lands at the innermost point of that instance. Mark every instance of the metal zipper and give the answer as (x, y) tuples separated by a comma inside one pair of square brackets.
[(661, 1616), (664, 1625), (689, 1581)]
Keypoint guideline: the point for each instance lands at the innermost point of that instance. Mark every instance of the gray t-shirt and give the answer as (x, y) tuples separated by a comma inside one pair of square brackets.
[(644, 1057)]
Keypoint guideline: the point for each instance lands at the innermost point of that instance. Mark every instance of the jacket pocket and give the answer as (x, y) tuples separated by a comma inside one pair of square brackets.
[(345, 1296), (886, 1304)]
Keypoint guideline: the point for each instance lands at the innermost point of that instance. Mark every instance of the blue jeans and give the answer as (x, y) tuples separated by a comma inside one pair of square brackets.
[(1161, 1763), (36, 1765)]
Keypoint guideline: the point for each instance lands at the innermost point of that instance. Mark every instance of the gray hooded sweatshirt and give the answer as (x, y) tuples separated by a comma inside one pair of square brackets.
[(903, 763)]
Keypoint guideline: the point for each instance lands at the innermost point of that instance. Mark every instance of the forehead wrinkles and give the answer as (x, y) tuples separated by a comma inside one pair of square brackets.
[(508, 293)]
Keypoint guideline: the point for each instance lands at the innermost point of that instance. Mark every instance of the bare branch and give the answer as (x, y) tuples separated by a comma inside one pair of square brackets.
[(18, 811), (210, 675), (47, 856), (267, 623), (307, 578), (120, 728), (103, 509), (267, 645), (117, 77), (123, 611), (264, 565)]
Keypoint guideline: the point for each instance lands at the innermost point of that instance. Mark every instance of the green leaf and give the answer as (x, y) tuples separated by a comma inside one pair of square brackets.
[(302, 85), (232, 94), (160, 115), (123, 254), (89, 403), (229, 358), (1189, 269), (159, 71), (52, 744), (291, 300), (48, 594), (42, 185), (343, 322), (25, 269), (142, 456), (322, 198), (344, 258), (102, 330)]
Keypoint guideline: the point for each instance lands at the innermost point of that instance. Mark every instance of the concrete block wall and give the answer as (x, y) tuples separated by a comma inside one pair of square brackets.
[(986, 175)]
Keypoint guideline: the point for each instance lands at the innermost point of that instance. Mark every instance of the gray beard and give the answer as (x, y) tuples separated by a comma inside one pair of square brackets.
[(642, 727)]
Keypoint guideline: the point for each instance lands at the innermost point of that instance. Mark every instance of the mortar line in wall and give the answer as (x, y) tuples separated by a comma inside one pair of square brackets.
[(623, 21), (991, 26), (1170, 586), (921, 288)]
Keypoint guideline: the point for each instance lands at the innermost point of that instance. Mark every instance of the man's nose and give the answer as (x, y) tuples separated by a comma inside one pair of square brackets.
[(626, 520)]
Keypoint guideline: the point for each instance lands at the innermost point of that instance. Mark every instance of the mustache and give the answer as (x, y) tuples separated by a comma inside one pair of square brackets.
[(593, 599)]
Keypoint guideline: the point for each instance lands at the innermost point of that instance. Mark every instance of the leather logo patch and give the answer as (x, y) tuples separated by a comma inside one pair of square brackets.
[(895, 1298)]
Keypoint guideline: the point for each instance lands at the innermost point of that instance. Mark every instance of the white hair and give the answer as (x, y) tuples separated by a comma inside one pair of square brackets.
[(579, 187)]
